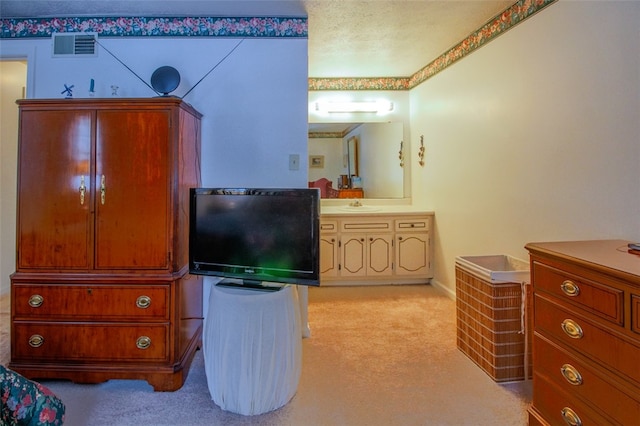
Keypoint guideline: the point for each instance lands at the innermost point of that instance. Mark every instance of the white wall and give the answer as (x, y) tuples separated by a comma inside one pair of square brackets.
[(12, 85), (254, 104), (535, 136)]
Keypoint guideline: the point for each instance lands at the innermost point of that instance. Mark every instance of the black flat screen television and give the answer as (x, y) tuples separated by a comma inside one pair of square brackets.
[(255, 235)]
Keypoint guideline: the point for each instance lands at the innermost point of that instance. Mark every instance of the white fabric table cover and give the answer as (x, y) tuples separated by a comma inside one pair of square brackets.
[(252, 348)]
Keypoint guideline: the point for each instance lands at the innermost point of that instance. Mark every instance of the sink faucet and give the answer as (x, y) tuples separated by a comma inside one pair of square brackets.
[(355, 203)]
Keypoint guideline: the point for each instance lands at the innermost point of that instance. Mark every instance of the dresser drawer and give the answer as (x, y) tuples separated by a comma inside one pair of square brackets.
[(635, 313), (408, 225), (557, 406), (597, 298), (591, 385), (97, 302), (106, 342), (589, 338)]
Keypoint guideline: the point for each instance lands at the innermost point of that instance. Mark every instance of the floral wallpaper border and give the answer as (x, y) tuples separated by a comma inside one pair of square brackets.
[(157, 26), (496, 26), (326, 135)]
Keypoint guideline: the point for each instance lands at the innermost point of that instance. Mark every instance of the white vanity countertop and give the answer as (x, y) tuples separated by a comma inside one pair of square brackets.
[(371, 209)]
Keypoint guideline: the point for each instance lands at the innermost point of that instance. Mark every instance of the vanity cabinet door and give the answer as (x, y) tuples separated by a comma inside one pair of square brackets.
[(367, 255), (412, 253), (379, 254), (329, 249), (354, 250)]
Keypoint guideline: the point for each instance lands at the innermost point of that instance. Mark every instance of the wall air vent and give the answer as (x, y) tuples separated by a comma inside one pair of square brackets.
[(74, 44)]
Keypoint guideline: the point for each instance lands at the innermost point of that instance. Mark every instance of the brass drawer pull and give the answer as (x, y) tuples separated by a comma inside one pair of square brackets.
[(36, 341), (143, 302), (572, 375), (572, 329), (570, 288), (570, 417), (36, 300), (143, 342)]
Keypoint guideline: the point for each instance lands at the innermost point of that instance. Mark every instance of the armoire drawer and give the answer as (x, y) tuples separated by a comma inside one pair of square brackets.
[(91, 302), (576, 333), (578, 379), (597, 298), (79, 342)]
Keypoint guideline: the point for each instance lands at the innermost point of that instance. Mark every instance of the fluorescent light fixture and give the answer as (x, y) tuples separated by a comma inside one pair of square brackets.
[(372, 106)]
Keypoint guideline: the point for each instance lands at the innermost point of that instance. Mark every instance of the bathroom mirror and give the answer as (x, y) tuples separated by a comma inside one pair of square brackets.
[(370, 148)]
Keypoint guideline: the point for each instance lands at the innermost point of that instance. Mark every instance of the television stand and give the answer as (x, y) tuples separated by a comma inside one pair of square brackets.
[(250, 285), (261, 333)]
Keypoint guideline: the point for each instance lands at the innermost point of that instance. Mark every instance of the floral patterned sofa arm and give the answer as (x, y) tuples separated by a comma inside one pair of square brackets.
[(25, 402)]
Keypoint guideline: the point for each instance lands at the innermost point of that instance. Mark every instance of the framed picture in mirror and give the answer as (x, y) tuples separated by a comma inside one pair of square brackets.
[(316, 161)]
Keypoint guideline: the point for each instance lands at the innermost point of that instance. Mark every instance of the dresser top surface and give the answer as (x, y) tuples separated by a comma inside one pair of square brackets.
[(607, 256)]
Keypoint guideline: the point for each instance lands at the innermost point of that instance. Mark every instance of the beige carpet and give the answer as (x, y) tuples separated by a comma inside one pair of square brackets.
[(383, 355)]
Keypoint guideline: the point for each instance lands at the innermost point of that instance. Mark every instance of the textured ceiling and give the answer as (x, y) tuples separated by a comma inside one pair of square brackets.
[(347, 38), (388, 38)]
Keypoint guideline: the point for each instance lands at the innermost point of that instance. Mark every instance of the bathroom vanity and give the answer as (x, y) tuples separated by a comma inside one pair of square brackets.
[(363, 244)]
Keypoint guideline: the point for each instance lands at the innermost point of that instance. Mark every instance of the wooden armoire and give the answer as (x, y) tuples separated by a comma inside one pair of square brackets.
[(101, 289)]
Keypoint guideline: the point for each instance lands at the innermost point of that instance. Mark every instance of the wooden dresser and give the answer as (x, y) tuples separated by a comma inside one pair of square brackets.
[(101, 289), (586, 345), (351, 193)]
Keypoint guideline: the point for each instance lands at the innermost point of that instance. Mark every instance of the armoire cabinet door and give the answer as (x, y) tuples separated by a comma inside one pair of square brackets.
[(132, 189), (54, 226)]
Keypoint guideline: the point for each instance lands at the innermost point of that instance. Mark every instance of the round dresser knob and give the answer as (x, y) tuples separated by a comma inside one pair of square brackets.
[(143, 302), (36, 300), (36, 341), (143, 342)]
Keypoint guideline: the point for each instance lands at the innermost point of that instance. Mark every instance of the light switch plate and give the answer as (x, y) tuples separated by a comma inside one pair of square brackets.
[(294, 162)]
